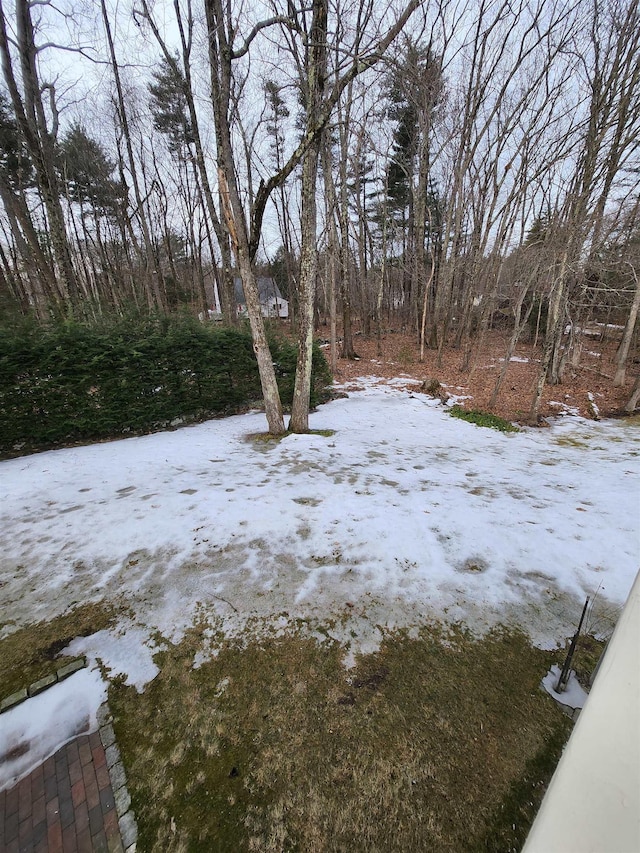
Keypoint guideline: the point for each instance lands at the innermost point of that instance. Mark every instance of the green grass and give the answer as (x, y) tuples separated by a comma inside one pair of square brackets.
[(439, 742), (483, 419)]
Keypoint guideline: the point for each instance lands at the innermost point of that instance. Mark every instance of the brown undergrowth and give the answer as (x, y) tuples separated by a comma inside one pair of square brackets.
[(400, 356)]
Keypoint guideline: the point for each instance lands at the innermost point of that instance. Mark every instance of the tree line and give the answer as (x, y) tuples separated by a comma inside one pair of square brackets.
[(447, 166)]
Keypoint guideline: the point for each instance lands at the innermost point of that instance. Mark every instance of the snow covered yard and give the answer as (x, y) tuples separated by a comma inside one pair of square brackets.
[(402, 516), (237, 578)]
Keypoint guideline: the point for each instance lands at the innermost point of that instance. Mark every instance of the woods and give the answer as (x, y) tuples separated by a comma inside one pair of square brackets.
[(441, 168)]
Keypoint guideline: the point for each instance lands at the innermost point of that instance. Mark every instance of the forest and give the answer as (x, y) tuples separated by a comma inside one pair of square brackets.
[(446, 168)]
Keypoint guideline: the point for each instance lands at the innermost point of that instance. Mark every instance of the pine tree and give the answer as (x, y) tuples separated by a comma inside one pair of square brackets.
[(169, 106), (86, 173), (15, 163)]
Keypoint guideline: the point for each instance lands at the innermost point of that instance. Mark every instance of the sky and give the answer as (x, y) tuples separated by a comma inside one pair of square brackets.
[(76, 62), (404, 516)]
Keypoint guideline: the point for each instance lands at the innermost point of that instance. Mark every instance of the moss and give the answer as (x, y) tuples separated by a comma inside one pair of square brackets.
[(32, 652), (483, 419), (265, 439)]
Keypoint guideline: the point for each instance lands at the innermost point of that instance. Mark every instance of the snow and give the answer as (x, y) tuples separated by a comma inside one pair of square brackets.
[(573, 695), (125, 650), (36, 729), (404, 516), (564, 408)]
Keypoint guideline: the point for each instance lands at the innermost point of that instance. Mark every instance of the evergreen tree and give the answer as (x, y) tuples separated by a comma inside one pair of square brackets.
[(86, 172), (169, 107), (278, 111), (15, 164), (415, 89)]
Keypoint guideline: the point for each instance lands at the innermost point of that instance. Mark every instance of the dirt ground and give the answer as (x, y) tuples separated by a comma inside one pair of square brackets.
[(401, 357)]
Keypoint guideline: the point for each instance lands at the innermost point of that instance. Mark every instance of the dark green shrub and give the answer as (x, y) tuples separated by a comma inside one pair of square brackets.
[(75, 381), (285, 355)]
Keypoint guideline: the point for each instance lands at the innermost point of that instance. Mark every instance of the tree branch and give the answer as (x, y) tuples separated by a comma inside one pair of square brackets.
[(261, 25), (359, 64)]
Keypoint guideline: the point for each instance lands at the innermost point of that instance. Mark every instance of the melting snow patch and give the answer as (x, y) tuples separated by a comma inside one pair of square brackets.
[(455, 399), (403, 380), (573, 694), (37, 728), (565, 409), (388, 504), (127, 652)]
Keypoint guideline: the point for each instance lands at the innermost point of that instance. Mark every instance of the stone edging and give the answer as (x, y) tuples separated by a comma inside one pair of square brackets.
[(42, 684), (126, 817)]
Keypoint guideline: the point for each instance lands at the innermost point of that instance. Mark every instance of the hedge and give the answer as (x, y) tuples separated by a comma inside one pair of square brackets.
[(78, 381)]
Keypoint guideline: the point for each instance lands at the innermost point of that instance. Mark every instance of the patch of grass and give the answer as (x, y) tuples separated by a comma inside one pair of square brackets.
[(509, 826), (31, 653), (483, 419), (588, 652), (274, 746), (265, 438), (568, 441)]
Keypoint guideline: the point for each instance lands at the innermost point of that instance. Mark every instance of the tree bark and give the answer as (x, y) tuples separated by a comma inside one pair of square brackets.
[(623, 351), (220, 71), (332, 250), (316, 73), (299, 421), (552, 336), (633, 400)]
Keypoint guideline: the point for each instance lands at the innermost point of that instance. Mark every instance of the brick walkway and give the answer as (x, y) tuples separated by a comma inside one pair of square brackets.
[(65, 806)]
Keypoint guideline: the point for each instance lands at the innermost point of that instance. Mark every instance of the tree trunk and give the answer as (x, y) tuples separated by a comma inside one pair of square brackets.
[(316, 72), (332, 250), (633, 400), (308, 270), (270, 392), (345, 254), (40, 272), (623, 351), (552, 337), (220, 70), (39, 140), (518, 326)]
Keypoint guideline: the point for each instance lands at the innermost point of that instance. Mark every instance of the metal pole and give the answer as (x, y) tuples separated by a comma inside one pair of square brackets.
[(564, 675)]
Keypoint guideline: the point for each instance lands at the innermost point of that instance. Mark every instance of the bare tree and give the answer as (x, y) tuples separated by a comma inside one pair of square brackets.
[(38, 132), (608, 136), (246, 230)]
